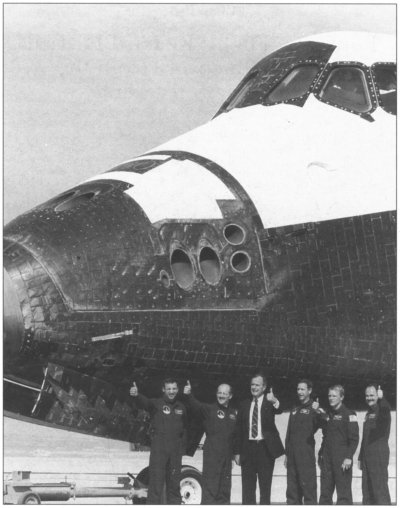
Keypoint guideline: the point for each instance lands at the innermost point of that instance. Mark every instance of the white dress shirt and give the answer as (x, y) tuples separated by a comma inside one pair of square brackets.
[(259, 404), (259, 432)]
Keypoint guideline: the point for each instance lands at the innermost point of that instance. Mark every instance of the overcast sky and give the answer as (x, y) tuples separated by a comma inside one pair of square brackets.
[(89, 86)]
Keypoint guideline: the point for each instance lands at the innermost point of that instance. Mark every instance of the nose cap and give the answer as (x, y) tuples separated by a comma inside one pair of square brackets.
[(13, 323)]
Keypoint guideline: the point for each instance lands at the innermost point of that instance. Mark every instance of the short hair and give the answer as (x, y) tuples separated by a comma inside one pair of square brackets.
[(337, 388), (169, 380), (372, 385), (260, 374), (306, 382)]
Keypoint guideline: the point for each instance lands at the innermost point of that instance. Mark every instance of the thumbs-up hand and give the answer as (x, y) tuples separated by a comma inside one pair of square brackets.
[(379, 392), (315, 404), (187, 390), (271, 397), (134, 392)]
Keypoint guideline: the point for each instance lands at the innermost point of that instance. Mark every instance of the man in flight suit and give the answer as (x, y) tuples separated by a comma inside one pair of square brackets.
[(168, 432), (374, 453), (339, 444), (219, 421), (304, 421)]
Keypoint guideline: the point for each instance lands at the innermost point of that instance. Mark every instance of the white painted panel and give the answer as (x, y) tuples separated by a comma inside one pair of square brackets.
[(180, 190), (303, 164), (298, 164), (175, 190), (361, 47)]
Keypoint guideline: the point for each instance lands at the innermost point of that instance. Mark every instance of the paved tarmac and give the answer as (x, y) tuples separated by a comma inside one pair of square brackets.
[(54, 456)]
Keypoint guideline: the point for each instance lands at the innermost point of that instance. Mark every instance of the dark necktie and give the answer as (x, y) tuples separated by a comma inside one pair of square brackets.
[(254, 420)]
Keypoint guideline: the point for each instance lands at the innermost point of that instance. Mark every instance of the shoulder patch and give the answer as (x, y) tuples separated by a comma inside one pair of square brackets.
[(352, 418)]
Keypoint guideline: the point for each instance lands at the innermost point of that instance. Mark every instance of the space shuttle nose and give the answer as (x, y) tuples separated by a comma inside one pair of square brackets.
[(13, 325)]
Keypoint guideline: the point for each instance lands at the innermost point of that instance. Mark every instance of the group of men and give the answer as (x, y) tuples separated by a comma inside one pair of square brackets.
[(249, 436)]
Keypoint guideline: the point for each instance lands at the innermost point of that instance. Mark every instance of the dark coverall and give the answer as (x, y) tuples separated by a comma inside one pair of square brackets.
[(219, 423), (340, 442), (304, 421), (374, 454), (168, 442)]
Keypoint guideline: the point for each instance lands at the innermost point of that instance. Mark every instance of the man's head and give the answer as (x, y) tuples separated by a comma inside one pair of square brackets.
[(224, 394), (371, 395), (304, 389), (258, 385), (336, 396), (170, 388)]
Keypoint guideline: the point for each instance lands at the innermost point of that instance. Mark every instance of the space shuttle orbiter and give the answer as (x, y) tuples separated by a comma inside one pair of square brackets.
[(262, 240)]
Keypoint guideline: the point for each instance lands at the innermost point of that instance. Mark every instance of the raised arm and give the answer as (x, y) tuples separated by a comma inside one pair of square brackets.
[(140, 400), (194, 404), (274, 401)]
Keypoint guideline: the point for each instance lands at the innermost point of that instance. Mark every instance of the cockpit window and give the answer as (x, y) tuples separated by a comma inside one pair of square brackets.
[(386, 87), (241, 93), (347, 87), (283, 76), (295, 84)]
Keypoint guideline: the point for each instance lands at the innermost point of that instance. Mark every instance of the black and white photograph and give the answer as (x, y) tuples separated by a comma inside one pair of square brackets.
[(199, 253)]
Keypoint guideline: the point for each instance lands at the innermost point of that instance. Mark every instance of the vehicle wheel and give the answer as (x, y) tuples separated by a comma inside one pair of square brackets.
[(29, 498), (143, 478), (191, 485)]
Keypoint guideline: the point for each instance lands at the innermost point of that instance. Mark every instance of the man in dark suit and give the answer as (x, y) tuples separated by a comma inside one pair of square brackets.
[(257, 442)]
